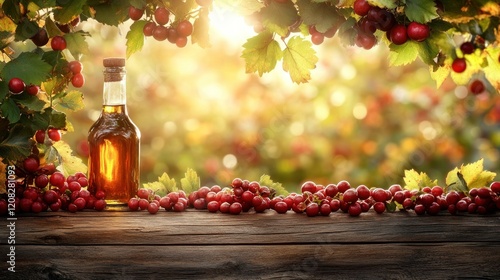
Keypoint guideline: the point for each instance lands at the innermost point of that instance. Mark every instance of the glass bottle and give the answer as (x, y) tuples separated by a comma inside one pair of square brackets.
[(114, 141)]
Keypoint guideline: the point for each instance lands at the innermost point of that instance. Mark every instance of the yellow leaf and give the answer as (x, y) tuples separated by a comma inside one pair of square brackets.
[(416, 181)]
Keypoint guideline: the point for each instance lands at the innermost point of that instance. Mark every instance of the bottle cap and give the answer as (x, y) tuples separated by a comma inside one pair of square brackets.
[(114, 62)]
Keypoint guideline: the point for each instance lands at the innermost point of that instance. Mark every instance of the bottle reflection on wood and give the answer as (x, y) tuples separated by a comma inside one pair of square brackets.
[(114, 141)]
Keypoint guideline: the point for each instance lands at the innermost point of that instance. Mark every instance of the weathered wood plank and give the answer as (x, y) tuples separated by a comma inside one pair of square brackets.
[(429, 260), (201, 227)]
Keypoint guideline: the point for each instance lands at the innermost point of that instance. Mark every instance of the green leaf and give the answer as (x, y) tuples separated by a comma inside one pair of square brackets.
[(69, 164), (322, 15), (403, 54), (474, 65), (277, 17), (135, 37), (76, 44), (427, 51), (201, 28), (421, 11), (455, 181), (70, 101), (52, 29), (27, 66), (10, 110), (26, 29), (190, 182), (12, 9), (390, 4), (276, 188), (298, 59), (17, 145), (30, 102), (70, 10), (163, 185), (111, 12), (417, 181), (473, 176), (261, 53)]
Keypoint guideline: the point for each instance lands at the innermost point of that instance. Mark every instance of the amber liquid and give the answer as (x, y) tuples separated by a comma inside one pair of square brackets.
[(114, 155)]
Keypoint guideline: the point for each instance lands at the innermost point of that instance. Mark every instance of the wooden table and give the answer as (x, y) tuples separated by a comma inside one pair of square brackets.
[(201, 245)]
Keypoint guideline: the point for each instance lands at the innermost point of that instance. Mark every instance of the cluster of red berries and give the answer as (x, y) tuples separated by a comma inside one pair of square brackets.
[(55, 192), (162, 24), (17, 86), (146, 199), (374, 18)]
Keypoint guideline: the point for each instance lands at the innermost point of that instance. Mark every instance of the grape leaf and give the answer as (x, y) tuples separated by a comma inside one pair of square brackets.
[(428, 51), (111, 12), (10, 110), (277, 17), (135, 37), (276, 188), (69, 164), (27, 66), (242, 7), (439, 75), (298, 59), (76, 44), (416, 181), (421, 11), (390, 4), (30, 102), (17, 145), (26, 29), (163, 185), (181, 9), (321, 15), (261, 53), (474, 65), (190, 182), (200, 31), (52, 29), (69, 101), (473, 176), (12, 9), (492, 70), (403, 54), (44, 3), (70, 10)]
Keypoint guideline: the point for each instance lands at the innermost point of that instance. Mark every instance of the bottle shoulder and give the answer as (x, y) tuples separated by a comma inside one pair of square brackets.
[(114, 123)]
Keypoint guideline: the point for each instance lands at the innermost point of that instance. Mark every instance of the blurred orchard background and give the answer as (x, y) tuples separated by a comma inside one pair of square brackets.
[(357, 120)]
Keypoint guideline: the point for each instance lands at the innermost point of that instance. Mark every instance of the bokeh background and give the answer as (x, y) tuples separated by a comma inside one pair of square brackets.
[(357, 120)]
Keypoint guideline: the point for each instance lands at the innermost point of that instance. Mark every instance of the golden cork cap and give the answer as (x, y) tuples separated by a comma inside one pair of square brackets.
[(114, 62)]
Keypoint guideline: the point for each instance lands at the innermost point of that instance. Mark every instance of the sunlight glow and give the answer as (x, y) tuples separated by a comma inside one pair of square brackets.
[(230, 25), (359, 111), (230, 161), (337, 98)]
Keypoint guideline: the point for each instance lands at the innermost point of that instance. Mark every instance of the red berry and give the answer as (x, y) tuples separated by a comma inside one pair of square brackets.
[(41, 181), (181, 41), (153, 208), (398, 34), (78, 80), (100, 204), (75, 66), (342, 186), (133, 204), (361, 7), (58, 43), (459, 65), (54, 134), (161, 15), (40, 38), (418, 31), (477, 87), (317, 38), (16, 86), (33, 90), (135, 13), (184, 28), (365, 40), (40, 136), (379, 207), (308, 186), (30, 165), (281, 207), (149, 28), (467, 47), (354, 209), (160, 32), (495, 187)]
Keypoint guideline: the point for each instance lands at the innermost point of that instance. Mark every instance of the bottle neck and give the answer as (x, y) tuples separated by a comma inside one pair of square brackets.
[(114, 92)]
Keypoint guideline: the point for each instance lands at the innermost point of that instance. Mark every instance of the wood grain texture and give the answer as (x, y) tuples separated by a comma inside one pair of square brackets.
[(202, 245)]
